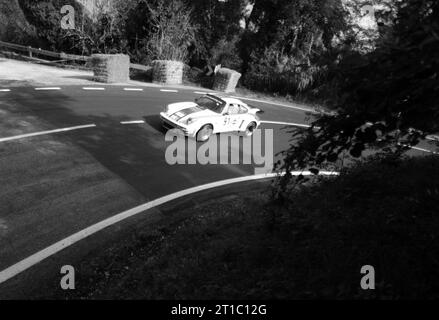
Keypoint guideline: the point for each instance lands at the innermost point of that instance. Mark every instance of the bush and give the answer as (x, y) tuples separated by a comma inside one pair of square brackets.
[(225, 53), (45, 17), (382, 213), (275, 72), (172, 31)]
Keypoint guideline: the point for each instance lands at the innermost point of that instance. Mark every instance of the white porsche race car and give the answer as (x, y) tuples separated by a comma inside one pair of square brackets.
[(209, 115)]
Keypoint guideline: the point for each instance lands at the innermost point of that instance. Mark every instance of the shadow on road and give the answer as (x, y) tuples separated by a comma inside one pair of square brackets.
[(155, 122), (135, 153), (88, 78)]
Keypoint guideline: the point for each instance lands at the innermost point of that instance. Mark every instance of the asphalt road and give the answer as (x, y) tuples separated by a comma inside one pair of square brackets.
[(58, 184), (55, 185)]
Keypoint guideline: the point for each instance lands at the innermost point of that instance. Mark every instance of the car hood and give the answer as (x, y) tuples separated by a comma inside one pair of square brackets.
[(183, 110)]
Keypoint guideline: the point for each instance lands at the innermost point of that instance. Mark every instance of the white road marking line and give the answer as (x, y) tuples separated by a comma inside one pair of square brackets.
[(29, 135), (287, 124), (433, 138), (132, 122), (5, 90), (36, 258), (277, 104), (417, 148), (423, 150), (201, 92), (93, 89), (168, 90), (48, 89), (132, 89)]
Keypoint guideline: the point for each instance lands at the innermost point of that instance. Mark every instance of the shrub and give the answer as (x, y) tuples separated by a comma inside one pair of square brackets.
[(45, 17), (172, 31), (275, 72), (382, 213), (226, 54)]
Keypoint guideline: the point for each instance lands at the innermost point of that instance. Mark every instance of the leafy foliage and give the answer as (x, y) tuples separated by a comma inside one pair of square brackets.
[(45, 17), (106, 33), (284, 42), (275, 72), (380, 96), (225, 53), (218, 26), (172, 32)]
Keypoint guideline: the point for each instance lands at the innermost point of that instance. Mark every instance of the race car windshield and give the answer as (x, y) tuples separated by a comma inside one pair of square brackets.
[(211, 104)]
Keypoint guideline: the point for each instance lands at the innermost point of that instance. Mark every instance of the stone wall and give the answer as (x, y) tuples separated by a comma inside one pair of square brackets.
[(226, 80), (167, 72), (110, 68)]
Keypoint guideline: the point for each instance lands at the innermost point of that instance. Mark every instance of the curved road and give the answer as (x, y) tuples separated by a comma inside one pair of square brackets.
[(51, 182), (55, 185)]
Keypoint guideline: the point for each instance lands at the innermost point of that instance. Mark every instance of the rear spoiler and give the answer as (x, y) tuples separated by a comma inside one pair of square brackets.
[(257, 108)]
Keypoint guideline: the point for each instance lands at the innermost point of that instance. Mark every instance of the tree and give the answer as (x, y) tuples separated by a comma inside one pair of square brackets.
[(285, 40), (172, 31), (45, 17), (219, 28), (386, 99), (296, 27), (105, 32)]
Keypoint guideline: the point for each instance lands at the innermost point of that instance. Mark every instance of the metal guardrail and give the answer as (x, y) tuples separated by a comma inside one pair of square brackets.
[(31, 51), (61, 56)]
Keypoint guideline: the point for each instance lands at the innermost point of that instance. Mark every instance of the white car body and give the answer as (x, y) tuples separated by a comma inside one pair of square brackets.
[(232, 115)]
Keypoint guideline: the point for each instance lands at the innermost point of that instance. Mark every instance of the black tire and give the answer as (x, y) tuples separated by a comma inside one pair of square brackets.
[(250, 129), (204, 133)]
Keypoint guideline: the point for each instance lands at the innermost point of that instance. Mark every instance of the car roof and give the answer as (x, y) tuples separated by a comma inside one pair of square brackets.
[(227, 99)]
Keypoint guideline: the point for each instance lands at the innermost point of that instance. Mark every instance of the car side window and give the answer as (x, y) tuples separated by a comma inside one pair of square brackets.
[(233, 109), (242, 109)]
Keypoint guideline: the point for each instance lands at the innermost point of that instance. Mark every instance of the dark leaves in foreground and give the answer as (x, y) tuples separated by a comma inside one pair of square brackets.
[(386, 100)]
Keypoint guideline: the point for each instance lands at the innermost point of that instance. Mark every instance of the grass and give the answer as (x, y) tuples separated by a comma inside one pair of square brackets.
[(382, 214)]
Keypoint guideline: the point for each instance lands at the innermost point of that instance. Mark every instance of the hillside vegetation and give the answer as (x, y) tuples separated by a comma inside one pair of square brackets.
[(383, 214), (13, 24)]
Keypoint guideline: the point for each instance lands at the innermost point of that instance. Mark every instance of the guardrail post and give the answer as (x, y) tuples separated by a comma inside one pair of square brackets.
[(30, 51)]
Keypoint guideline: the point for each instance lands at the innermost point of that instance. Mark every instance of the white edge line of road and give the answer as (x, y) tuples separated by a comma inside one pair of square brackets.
[(93, 88), (47, 89), (433, 138), (133, 122), (5, 90), (287, 124), (168, 90), (36, 258), (276, 104), (420, 149), (35, 134), (132, 89)]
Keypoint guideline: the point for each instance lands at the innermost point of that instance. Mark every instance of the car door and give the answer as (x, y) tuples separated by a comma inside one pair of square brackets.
[(243, 118), (231, 118)]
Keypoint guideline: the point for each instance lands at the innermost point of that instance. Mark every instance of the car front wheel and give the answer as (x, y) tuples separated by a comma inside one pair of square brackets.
[(204, 133)]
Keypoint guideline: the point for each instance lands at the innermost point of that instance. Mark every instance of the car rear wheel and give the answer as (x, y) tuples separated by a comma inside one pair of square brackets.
[(204, 133), (250, 129)]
